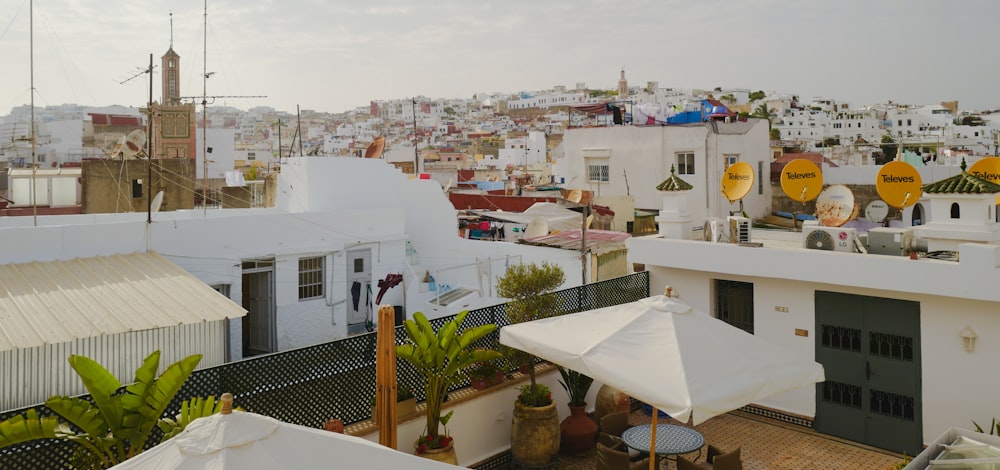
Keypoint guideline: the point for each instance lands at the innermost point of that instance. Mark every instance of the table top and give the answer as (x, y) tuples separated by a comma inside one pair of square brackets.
[(670, 439)]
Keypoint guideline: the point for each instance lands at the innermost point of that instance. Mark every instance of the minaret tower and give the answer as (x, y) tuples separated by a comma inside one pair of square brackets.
[(171, 66), (622, 85)]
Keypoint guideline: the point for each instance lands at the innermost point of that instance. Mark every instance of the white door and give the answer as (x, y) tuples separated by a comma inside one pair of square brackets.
[(359, 286)]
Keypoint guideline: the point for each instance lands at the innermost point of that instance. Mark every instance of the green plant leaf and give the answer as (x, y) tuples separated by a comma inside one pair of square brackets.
[(162, 392), (27, 427), (102, 386), (135, 396), (81, 413)]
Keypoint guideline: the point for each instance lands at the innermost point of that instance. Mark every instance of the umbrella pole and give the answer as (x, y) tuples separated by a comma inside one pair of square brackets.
[(652, 438), (385, 377)]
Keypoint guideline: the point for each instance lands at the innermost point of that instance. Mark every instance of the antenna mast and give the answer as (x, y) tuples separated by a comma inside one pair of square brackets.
[(31, 133), (204, 112)]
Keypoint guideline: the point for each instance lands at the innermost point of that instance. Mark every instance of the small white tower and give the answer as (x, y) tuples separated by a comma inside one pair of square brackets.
[(674, 218)]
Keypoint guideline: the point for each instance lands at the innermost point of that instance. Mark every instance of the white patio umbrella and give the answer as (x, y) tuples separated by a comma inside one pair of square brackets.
[(665, 353), (251, 441)]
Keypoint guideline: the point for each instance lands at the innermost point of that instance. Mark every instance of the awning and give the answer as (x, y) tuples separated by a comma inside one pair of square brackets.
[(58, 301)]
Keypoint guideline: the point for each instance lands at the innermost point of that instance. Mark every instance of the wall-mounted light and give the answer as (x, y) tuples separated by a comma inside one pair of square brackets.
[(969, 339)]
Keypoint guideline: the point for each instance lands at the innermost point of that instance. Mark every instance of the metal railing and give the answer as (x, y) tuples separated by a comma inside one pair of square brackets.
[(309, 385)]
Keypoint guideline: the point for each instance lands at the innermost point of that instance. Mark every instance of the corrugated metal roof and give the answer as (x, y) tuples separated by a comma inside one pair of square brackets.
[(58, 301)]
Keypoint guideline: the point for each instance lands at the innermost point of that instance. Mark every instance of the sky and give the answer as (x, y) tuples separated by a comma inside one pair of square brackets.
[(334, 55)]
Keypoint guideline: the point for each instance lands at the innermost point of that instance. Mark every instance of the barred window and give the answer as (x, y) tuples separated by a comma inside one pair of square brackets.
[(598, 169), (734, 303), (311, 277)]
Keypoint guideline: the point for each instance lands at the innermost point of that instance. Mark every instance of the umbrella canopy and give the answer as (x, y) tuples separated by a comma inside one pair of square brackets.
[(665, 353), (251, 441)]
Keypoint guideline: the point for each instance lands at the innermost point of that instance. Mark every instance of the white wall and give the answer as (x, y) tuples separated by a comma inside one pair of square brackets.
[(221, 141), (641, 157), (327, 206), (957, 386)]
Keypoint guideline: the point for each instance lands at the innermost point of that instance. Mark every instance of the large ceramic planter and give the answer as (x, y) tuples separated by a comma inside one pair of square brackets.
[(444, 454), (577, 432), (610, 400), (534, 435)]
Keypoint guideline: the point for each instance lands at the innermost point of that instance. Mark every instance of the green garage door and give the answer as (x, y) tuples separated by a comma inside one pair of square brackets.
[(870, 350)]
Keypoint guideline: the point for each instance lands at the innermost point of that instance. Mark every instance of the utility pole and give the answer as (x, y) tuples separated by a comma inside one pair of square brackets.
[(416, 156)]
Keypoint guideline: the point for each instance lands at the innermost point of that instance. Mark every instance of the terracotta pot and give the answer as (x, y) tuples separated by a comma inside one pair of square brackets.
[(534, 435), (484, 383), (444, 454), (334, 425), (610, 400), (577, 432)]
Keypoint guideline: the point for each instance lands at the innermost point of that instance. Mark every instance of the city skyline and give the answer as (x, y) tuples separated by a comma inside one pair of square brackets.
[(333, 56)]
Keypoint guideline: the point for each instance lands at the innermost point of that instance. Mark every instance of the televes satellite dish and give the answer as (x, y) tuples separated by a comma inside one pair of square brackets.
[(375, 148), (898, 184), (835, 206), (801, 180), (157, 202), (134, 142), (575, 196), (876, 211), (737, 181), (987, 168), (538, 227)]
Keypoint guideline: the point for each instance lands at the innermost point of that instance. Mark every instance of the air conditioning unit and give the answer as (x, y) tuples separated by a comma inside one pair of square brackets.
[(892, 241), (816, 237), (714, 231), (739, 229)]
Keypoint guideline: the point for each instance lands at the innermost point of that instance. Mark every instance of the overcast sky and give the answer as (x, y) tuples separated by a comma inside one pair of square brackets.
[(333, 55)]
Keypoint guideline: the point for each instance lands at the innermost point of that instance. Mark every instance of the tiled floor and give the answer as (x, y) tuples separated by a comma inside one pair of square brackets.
[(770, 444)]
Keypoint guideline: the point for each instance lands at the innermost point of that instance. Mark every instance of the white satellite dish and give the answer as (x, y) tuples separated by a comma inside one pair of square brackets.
[(835, 206), (134, 142), (157, 202), (876, 211), (538, 227)]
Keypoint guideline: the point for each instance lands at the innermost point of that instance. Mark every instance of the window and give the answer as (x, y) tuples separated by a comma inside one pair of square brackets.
[(730, 159), (685, 163), (311, 277), (598, 169), (734, 303), (955, 212), (251, 155)]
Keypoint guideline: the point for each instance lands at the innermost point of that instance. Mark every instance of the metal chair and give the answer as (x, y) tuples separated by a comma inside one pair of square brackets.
[(615, 457), (716, 460)]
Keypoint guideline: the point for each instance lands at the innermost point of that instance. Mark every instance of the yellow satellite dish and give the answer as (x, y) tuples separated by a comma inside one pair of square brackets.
[(737, 181), (898, 184), (801, 180), (987, 168)]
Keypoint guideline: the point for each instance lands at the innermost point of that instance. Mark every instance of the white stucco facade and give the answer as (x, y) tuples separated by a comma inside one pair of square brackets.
[(638, 158), (327, 207), (956, 385)]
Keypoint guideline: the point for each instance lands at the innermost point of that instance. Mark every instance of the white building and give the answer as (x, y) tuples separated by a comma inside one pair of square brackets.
[(303, 269), (907, 343), (624, 164)]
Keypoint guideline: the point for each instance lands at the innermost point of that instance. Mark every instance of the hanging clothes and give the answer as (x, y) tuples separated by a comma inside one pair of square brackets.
[(356, 294)]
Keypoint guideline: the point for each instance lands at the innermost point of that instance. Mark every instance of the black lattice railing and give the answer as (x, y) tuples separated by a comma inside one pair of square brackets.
[(309, 385)]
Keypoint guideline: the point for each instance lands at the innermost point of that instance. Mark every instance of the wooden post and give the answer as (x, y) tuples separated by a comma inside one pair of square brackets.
[(386, 377)]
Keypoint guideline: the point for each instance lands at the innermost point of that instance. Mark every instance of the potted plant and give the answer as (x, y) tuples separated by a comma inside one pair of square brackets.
[(406, 403), (484, 375), (577, 432), (534, 433), (440, 356)]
